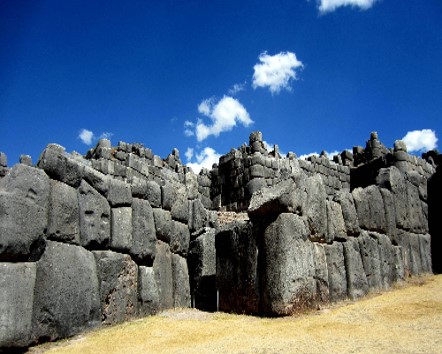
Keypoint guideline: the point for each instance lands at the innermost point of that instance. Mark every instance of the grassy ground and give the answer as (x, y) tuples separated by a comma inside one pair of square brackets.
[(407, 319)]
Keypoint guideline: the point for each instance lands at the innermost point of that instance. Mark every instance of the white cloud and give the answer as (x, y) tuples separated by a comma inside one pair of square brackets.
[(331, 5), (189, 154), (330, 155), (205, 159), (237, 88), (276, 71), (188, 128), (420, 140), (225, 114), (86, 136), (106, 135)]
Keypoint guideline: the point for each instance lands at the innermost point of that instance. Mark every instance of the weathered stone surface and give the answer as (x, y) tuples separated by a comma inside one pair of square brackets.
[(28, 183), (315, 206), (64, 216), (321, 273), (163, 224), (345, 199), (335, 222), (24, 199), (236, 271), (168, 195), (180, 207), (61, 166), (118, 281), (191, 182), (3, 160), (337, 277), (411, 253), (357, 285), (202, 270), (288, 282), (17, 281), (148, 296), (269, 202), (390, 213), (99, 181), (179, 238), (370, 208), (94, 217), (181, 285), (255, 185), (369, 249), (119, 193), (425, 252), (144, 238), (162, 267), (386, 258), (66, 297), (198, 217), (121, 236)]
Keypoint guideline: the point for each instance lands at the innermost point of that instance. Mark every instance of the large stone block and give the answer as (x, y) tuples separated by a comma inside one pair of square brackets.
[(121, 236), (61, 166), (162, 267), (345, 199), (179, 238), (236, 268), (64, 216), (357, 285), (17, 281), (321, 273), (118, 280), (24, 199), (370, 208), (181, 285), (202, 270), (66, 297), (337, 277), (143, 232), (371, 260), (148, 296), (94, 217), (315, 206), (180, 207), (119, 193), (288, 279), (335, 222), (198, 215)]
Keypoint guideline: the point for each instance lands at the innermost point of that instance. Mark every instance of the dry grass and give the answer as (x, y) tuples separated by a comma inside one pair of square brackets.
[(405, 320)]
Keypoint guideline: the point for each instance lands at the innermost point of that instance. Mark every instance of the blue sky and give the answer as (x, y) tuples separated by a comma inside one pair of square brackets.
[(201, 75)]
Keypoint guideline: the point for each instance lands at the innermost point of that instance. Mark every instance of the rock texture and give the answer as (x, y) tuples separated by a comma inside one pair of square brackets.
[(120, 233)]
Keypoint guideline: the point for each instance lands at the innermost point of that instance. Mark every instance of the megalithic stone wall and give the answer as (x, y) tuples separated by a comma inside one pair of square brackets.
[(94, 240), (121, 233)]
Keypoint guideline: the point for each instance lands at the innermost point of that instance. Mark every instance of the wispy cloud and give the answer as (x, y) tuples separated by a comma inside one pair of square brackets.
[(276, 71), (420, 140), (224, 114), (237, 88), (205, 159), (326, 6), (188, 128), (88, 137)]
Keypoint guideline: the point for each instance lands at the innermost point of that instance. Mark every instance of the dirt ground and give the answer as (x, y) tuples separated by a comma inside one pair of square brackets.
[(406, 319)]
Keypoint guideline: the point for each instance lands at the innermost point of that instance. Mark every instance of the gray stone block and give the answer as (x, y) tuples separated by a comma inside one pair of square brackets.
[(25, 160), (288, 280), (181, 284), (371, 260), (66, 297), (180, 207), (148, 296), (345, 199), (335, 222), (143, 232), (179, 238), (118, 281), (198, 217), (64, 216), (321, 273), (3, 160), (119, 193), (357, 285), (121, 229), (162, 267), (94, 217), (97, 180), (237, 267), (61, 166), (17, 281), (337, 277), (163, 224), (370, 208)]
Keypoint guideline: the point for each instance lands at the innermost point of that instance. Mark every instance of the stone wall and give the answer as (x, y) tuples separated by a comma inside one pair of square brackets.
[(121, 233), (94, 240)]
